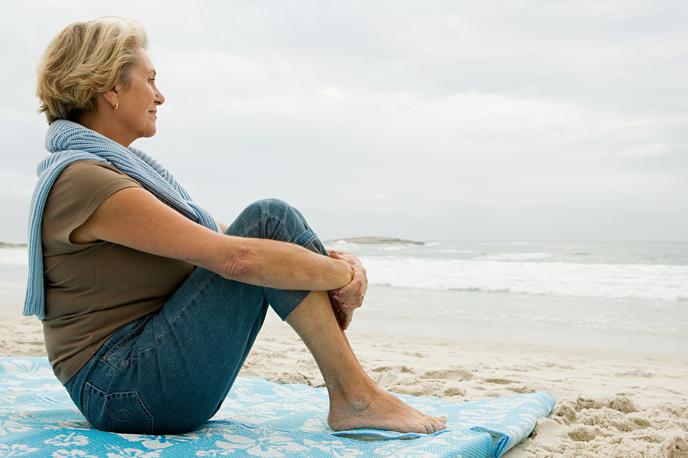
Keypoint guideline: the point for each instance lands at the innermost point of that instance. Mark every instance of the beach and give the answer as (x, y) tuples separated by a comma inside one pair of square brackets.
[(509, 177), (601, 326), (608, 403)]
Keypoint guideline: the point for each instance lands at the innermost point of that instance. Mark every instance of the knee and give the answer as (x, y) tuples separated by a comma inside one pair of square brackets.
[(262, 210), (273, 206), (262, 217)]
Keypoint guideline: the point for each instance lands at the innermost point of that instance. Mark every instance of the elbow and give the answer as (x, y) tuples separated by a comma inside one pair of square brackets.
[(240, 266)]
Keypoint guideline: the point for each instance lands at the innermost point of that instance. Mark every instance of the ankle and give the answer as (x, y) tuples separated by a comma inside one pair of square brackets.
[(356, 394)]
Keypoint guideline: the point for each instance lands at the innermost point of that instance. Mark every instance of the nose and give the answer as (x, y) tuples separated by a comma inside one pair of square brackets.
[(159, 98)]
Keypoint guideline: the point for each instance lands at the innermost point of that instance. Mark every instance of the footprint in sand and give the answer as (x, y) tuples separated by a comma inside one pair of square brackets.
[(449, 374), (582, 433), (635, 373), (499, 381), (564, 413), (417, 354), (454, 391), (520, 389), (622, 404), (402, 369)]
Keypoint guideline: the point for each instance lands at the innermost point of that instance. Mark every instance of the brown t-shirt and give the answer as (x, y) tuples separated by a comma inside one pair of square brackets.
[(93, 289)]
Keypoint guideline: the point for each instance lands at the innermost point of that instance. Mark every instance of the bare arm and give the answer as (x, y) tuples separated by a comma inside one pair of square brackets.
[(136, 218)]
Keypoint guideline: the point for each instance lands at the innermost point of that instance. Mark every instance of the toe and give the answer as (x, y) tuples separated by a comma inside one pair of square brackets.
[(440, 426), (442, 420)]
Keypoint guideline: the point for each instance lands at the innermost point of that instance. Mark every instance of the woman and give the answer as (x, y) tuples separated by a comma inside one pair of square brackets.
[(149, 309)]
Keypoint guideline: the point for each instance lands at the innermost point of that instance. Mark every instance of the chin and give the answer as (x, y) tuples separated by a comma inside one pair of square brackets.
[(150, 132)]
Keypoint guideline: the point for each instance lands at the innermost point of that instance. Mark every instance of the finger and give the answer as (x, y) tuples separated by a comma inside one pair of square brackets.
[(343, 294), (353, 288), (350, 300), (350, 307), (350, 304), (355, 299), (349, 316)]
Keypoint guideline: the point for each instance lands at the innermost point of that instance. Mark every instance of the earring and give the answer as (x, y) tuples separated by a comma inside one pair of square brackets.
[(116, 105)]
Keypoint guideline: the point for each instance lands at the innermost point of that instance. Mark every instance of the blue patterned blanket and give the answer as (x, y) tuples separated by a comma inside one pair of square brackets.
[(258, 418)]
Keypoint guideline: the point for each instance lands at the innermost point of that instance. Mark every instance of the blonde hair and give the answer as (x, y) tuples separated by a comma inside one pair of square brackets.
[(86, 59)]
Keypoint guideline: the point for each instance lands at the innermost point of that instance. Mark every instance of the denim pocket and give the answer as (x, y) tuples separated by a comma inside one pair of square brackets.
[(122, 412)]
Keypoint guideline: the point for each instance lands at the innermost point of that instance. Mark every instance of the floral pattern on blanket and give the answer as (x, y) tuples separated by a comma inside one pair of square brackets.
[(258, 418)]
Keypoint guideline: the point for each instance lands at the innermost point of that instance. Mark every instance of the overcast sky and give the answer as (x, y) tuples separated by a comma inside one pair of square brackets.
[(537, 120)]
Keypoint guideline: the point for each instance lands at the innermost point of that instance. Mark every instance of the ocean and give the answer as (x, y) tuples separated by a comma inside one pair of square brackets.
[(617, 296)]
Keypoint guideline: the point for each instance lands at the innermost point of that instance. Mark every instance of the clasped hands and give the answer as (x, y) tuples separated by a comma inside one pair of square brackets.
[(348, 298)]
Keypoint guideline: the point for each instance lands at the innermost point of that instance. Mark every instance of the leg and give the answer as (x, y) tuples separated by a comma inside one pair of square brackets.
[(170, 372), (177, 367), (355, 400)]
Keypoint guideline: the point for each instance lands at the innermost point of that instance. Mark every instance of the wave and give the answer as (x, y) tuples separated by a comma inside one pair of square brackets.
[(12, 245), (514, 257), (374, 240), (646, 281)]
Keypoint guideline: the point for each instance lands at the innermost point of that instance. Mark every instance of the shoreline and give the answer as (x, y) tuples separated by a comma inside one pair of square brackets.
[(609, 403)]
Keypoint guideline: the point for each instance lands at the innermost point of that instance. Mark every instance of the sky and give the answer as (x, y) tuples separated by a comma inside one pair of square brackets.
[(428, 120)]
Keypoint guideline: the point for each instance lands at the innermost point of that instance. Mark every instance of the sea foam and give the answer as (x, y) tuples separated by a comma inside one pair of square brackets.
[(648, 281)]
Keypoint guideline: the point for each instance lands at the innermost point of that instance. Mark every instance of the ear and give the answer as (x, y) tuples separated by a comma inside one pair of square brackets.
[(112, 96)]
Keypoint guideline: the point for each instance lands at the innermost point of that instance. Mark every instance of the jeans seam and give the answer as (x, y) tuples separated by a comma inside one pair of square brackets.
[(139, 353), (309, 240), (183, 307), (145, 408), (280, 223), (248, 231), (122, 341)]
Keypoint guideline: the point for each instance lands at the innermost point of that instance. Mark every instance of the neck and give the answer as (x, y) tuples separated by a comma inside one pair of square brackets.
[(107, 128)]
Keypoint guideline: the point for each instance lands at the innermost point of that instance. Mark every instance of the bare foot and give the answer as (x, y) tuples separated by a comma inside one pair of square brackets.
[(375, 408)]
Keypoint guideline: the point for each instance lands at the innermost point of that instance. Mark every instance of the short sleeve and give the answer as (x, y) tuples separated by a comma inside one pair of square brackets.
[(77, 192)]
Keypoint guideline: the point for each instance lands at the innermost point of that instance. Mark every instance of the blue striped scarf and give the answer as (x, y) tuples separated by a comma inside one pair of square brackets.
[(69, 142)]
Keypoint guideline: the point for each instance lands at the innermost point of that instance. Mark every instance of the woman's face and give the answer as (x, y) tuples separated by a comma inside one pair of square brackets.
[(138, 104)]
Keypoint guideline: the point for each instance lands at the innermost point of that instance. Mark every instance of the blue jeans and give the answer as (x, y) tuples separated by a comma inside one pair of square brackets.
[(169, 371)]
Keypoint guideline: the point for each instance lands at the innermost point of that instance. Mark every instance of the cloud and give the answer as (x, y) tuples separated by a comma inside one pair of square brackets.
[(422, 119)]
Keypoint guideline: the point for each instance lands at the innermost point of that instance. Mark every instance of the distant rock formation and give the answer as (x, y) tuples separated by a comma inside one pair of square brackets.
[(375, 240)]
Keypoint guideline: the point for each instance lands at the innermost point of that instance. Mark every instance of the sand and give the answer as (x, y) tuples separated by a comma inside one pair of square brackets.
[(608, 404)]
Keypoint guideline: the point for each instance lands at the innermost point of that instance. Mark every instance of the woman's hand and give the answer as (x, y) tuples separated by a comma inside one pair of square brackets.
[(348, 298)]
